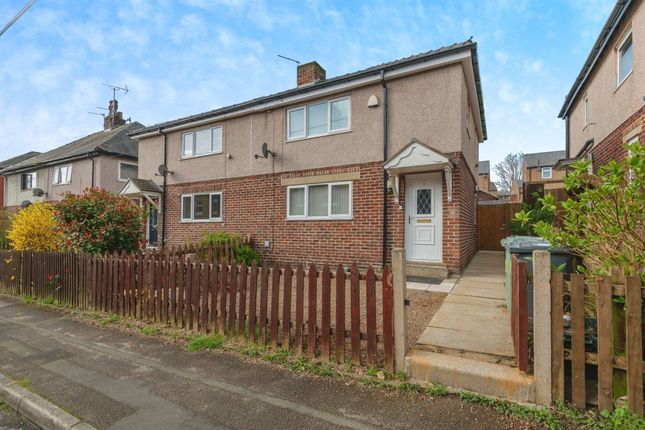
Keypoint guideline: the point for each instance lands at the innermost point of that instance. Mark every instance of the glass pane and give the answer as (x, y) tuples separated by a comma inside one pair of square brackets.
[(202, 142), (65, 175), (318, 204), (625, 65), (340, 114), (186, 207), (202, 206), (297, 123), (56, 175), (424, 201), (340, 199), (187, 145), (216, 205), (316, 119), (297, 202), (129, 171), (217, 139)]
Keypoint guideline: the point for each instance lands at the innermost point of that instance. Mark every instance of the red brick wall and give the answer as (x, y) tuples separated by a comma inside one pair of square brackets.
[(613, 147), (256, 205)]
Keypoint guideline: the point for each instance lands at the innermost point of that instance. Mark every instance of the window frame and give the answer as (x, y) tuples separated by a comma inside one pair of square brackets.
[(619, 49), (329, 131), (586, 110), (57, 170), (121, 163), (182, 156), (329, 215), (34, 183), (192, 207), (550, 169)]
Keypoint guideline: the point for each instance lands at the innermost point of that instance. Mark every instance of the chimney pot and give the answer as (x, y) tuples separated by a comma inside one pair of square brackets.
[(310, 73), (114, 118)]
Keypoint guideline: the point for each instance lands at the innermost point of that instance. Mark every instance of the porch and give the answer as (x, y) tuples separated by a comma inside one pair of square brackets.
[(468, 343)]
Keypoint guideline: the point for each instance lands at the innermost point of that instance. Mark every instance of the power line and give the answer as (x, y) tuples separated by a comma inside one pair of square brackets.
[(29, 4)]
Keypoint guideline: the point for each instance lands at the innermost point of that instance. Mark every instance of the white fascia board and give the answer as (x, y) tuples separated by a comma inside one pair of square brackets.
[(396, 73)]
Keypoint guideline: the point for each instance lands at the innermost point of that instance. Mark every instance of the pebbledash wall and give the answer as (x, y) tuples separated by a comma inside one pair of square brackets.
[(256, 205), (613, 146)]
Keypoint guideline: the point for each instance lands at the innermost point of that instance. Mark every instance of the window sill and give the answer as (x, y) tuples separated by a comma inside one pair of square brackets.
[(62, 183), (318, 136), (200, 156), (620, 84), (347, 218), (198, 221)]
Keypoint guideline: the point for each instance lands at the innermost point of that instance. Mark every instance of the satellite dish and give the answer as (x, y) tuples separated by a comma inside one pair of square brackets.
[(38, 192), (25, 203), (162, 169), (265, 150)]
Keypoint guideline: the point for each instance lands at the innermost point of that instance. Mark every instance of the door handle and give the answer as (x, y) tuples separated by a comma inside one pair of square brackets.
[(409, 218)]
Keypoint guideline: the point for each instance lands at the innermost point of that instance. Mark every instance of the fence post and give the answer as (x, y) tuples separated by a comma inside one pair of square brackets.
[(542, 326), (399, 311)]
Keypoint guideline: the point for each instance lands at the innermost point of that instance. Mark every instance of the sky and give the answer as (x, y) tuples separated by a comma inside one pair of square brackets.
[(183, 57)]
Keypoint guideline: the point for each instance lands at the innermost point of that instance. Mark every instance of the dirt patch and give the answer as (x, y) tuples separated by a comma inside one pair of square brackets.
[(423, 306)]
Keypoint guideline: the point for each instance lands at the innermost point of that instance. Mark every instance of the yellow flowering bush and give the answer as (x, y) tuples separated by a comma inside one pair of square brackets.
[(34, 228)]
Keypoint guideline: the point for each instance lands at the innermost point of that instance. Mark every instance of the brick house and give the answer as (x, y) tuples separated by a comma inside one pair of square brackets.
[(106, 159), (335, 170), (540, 175), (10, 162), (486, 189), (605, 108)]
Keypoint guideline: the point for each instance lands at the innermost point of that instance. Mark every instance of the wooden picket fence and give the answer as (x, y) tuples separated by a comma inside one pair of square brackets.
[(604, 344), (317, 313), (520, 312)]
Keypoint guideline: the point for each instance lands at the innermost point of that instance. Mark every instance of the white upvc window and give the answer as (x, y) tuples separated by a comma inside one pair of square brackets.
[(319, 119), (547, 172), (128, 171), (28, 181), (201, 207), (586, 111), (320, 201), (625, 58), (62, 174), (201, 142)]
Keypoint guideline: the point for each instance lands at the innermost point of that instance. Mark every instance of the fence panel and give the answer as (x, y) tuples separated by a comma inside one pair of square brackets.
[(520, 312)]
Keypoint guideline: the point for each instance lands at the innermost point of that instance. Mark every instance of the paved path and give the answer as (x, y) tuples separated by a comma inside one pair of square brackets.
[(473, 318), (115, 380), (9, 420)]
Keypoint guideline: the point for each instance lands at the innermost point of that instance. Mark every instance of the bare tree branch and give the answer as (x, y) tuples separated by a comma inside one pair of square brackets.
[(509, 170)]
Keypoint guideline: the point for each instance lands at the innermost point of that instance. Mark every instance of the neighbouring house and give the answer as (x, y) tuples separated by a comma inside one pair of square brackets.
[(516, 194), (10, 162), (106, 159), (336, 170), (539, 174), (487, 190), (605, 108)]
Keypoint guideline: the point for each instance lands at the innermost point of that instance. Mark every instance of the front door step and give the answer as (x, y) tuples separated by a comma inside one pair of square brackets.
[(427, 270), (497, 380), (504, 360)]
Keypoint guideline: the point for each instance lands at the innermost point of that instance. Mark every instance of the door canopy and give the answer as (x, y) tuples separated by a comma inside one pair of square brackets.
[(417, 157)]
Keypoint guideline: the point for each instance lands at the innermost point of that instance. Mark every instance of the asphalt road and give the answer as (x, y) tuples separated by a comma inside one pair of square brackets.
[(116, 380), (9, 420)]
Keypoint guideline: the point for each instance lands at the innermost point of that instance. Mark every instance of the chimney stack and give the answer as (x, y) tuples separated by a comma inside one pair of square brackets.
[(310, 73), (114, 118)]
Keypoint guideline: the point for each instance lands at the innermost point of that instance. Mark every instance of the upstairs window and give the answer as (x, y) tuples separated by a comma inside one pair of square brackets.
[(586, 111), (128, 171), (28, 181), (320, 201), (201, 142), (318, 119), (625, 60), (547, 172), (62, 174)]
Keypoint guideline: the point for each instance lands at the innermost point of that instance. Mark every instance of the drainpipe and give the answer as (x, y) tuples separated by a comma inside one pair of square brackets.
[(164, 190), (566, 136), (384, 84)]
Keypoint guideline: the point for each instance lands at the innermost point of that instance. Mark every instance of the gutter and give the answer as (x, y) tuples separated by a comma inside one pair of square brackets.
[(385, 175)]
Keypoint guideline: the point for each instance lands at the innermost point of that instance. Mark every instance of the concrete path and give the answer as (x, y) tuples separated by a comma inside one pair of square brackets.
[(114, 380), (473, 318)]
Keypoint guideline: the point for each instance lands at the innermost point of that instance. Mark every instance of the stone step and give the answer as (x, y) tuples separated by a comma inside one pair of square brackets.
[(497, 380), (505, 360), (427, 270)]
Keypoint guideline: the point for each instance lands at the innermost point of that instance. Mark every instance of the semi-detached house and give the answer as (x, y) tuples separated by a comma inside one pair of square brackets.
[(336, 170)]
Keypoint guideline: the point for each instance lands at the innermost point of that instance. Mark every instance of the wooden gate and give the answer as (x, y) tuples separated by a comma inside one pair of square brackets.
[(494, 224)]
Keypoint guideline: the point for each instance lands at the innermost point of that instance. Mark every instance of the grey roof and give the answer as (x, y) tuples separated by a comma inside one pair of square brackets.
[(146, 185), (614, 20), (18, 159), (115, 141), (540, 159), (484, 167), (374, 70)]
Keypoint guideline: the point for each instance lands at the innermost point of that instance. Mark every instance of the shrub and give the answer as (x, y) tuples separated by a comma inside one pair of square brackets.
[(34, 228), (531, 213), (98, 221), (246, 254), (604, 222), (5, 224), (217, 237)]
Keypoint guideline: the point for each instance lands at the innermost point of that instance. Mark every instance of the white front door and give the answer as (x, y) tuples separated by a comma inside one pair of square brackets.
[(423, 210)]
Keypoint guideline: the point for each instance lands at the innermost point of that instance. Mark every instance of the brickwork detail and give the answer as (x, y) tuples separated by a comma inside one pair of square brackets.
[(613, 147)]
